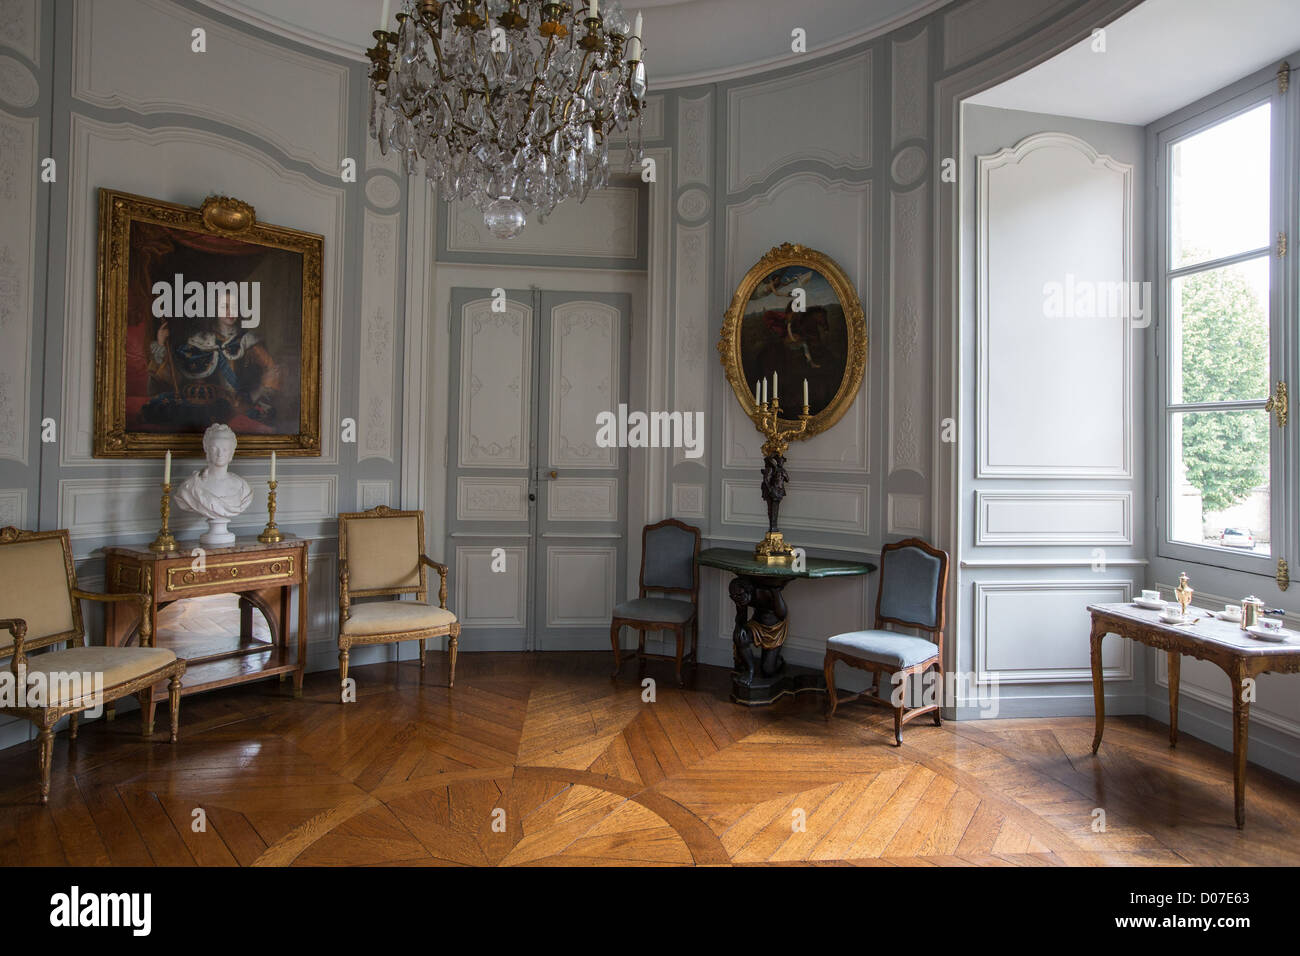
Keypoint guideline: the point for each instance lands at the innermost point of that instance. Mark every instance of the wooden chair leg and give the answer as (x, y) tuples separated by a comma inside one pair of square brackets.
[(452, 643), (174, 704), (898, 726), (681, 644), (614, 630), (421, 658), (72, 726), (938, 694), (343, 668), (832, 699), (44, 757), (145, 697)]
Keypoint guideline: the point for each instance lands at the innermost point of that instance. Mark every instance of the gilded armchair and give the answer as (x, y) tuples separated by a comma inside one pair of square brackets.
[(40, 607), (381, 555)]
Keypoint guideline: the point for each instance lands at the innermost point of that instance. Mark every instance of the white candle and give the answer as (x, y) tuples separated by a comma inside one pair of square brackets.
[(764, 391), (634, 47), (758, 392), (594, 9), (776, 392), (273, 466), (805, 393), (383, 17), (167, 470)]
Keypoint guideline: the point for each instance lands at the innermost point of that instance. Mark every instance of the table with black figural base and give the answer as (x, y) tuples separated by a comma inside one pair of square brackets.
[(761, 674)]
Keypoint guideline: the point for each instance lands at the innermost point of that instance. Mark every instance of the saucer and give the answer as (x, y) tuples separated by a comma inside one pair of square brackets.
[(1149, 605), (1277, 636), (1176, 619), (1236, 619)]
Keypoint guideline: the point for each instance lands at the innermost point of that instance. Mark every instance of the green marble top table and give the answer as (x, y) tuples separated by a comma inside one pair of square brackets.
[(760, 674), (739, 561)]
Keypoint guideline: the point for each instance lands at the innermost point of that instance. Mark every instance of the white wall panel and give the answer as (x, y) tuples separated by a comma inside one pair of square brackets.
[(495, 385), (582, 499), (487, 598), (819, 506), (779, 121), (1034, 632), (605, 226), (1055, 393), (124, 48), (481, 498), (580, 585), (376, 419), (585, 354), (1053, 517), (19, 164)]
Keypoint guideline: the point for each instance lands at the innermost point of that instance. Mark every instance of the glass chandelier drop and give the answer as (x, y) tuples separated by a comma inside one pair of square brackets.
[(509, 104)]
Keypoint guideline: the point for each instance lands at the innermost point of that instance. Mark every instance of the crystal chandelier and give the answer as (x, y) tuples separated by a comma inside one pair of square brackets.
[(509, 104)]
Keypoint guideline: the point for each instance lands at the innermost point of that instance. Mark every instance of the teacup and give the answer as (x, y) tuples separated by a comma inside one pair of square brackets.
[(1270, 623), (1231, 612), (1150, 596), (1172, 612)]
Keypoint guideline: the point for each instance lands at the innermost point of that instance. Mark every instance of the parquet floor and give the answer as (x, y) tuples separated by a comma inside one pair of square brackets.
[(542, 760)]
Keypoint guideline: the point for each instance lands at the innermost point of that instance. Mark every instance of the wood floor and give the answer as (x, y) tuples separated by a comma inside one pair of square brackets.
[(542, 760)]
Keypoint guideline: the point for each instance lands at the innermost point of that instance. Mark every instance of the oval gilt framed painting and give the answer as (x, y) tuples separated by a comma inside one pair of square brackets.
[(796, 315)]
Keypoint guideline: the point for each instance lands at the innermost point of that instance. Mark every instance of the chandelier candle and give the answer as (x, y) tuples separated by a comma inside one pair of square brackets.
[(508, 105)]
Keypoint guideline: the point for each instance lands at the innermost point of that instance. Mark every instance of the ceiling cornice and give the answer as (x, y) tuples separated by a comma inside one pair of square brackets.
[(326, 44)]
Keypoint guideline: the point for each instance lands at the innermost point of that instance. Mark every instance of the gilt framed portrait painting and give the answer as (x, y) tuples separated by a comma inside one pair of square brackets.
[(796, 315), (206, 316)]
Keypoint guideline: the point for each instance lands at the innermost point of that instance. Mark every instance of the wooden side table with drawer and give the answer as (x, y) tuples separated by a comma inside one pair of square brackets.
[(262, 575)]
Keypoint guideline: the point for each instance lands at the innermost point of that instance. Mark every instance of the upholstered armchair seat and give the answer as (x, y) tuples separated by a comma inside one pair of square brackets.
[(44, 638), (913, 584), (388, 617), (668, 552), (381, 555), (664, 610), (884, 647)]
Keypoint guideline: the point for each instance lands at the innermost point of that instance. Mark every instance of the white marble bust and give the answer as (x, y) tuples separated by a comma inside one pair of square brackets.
[(214, 492)]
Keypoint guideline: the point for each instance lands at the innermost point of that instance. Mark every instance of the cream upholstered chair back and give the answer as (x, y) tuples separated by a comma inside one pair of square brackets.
[(383, 548), (36, 582)]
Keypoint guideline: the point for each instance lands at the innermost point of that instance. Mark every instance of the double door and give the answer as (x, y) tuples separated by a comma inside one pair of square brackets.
[(537, 502)]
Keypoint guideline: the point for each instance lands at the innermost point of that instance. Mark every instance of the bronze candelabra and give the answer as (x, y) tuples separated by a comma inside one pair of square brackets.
[(773, 549), (165, 541), (270, 534)]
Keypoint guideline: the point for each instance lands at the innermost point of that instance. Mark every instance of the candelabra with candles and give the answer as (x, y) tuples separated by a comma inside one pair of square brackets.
[(773, 549), (165, 540), (271, 534)]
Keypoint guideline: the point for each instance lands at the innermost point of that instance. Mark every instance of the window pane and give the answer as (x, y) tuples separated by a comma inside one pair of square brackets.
[(1219, 334), (1219, 181), (1220, 476)]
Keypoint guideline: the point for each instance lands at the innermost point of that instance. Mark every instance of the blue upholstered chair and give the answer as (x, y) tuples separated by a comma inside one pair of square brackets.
[(668, 552), (913, 583)]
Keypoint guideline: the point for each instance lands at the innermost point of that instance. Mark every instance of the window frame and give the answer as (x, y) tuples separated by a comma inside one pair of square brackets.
[(1284, 473)]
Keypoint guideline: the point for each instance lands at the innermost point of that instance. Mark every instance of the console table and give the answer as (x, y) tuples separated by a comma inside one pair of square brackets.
[(761, 674), (263, 575), (1227, 645)]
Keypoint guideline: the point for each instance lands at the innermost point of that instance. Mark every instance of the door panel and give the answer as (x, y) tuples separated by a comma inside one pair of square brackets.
[(582, 507), (537, 508), (490, 463)]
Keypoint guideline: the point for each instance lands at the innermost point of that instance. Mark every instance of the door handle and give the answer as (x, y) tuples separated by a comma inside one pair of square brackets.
[(554, 475), (1277, 404), (531, 496)]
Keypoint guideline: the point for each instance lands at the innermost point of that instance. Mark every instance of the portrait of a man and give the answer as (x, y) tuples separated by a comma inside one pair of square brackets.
[(206, 318)]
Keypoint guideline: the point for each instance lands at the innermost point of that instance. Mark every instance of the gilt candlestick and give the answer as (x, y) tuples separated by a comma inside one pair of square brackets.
[(270, 534), (773, 549), (165, 541)]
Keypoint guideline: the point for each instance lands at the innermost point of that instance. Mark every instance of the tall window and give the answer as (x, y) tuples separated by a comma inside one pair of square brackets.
[(1220, 204)]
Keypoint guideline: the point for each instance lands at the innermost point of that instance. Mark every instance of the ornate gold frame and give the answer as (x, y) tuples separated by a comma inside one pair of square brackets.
[(222, 216), (788, 254)]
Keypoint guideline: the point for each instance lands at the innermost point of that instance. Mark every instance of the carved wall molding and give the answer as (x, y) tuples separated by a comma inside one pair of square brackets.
[(377, 400)]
